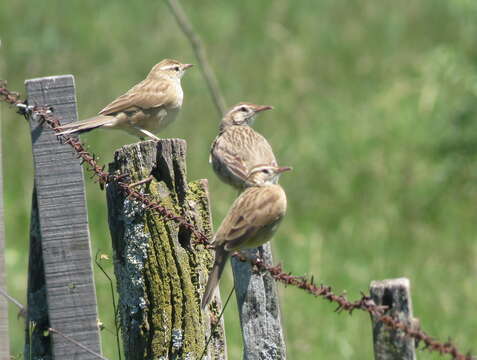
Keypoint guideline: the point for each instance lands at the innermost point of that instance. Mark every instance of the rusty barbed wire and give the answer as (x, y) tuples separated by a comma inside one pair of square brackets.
[(428, 342), (365, 303)]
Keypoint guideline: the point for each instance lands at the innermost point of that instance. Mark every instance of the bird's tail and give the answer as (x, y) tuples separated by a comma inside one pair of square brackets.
[(83, 126), (221, 257)]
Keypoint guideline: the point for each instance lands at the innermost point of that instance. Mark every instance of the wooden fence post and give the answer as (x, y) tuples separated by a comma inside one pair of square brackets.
[(259, 308), (4, 338), (60, 274), (393, 344), (160, 274)]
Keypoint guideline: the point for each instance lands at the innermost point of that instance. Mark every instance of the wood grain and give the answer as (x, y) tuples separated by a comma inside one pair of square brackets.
[(259, 308), (63, 224)]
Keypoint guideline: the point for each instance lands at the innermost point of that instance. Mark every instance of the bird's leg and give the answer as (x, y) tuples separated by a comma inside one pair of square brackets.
[(148, 133)]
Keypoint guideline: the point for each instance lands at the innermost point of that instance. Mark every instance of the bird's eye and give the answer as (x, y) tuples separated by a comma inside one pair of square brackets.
[(243, 108), (266, 171), (177, 68)]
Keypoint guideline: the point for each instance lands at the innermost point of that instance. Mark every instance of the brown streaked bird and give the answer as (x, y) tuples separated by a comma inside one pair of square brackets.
[(238, 148), (146, 108), (251, 221)]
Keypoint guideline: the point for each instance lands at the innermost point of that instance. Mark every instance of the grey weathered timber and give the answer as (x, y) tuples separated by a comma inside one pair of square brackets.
[(160, 271), (4, 338), (63, 227), (259, 308), (393, 344)]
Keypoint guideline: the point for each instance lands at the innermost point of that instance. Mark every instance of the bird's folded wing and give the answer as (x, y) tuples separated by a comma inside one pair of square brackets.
[(254, 209), (145, 95), (223, 150), (264, 151)]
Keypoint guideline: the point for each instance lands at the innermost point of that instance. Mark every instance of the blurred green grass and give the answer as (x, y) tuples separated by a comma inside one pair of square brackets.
[(375, 108)]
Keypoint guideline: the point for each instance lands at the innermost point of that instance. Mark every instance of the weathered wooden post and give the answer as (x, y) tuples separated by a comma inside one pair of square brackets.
[(392, 344), (259, 308), (61, 291), (160, 272), (4, 338)]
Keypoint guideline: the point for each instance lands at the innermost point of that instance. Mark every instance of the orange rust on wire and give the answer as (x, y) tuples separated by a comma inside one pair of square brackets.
[(365, 303), (428, 342)]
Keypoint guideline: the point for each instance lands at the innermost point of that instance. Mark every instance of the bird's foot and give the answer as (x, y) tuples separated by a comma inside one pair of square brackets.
[(147, 133)]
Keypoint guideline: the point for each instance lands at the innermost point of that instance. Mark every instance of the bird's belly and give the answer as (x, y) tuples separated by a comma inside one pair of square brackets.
[(169, 116), (153, 120), (263, 235)]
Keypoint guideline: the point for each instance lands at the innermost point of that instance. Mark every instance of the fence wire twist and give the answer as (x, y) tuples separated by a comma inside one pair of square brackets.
[(46, 116)]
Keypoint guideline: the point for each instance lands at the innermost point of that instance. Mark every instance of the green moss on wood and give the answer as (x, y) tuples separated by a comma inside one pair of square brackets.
[(160, 274)]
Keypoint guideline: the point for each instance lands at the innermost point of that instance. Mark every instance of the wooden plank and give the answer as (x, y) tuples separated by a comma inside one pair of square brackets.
[(65, 244), (160, 273), (393, 344), (4, 338), (259, 308)]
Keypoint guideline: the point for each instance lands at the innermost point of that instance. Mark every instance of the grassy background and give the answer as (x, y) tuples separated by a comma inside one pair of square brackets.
[(375, 108)]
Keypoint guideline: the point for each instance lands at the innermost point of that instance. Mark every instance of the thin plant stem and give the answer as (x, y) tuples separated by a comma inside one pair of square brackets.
[(217, 323), (199, 50), (111, 285)]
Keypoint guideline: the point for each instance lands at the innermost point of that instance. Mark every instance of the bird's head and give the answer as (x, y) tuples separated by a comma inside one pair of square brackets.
[(262, 175), (169, 67), (243, 114)]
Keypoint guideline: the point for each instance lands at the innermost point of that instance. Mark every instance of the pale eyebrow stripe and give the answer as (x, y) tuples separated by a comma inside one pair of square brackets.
[(169, 67), (236, 108)]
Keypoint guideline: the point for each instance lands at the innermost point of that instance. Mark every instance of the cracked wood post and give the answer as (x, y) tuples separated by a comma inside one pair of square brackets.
[(4, 338), (259, 308), (61, 291), (160, 275), (393, 344)]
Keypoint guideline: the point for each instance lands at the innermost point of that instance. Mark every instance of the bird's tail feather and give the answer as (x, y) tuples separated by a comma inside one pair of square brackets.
[(221, 257), (83, 126)]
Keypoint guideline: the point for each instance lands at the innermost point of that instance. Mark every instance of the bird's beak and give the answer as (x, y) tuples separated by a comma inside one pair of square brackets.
[(283, 169), (186, 66), (263, 108)]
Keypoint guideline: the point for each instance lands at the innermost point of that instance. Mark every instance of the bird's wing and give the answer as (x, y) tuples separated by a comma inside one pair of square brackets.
[(224, 151), (264, 152), (254, 209), (145, 95)]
